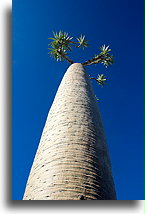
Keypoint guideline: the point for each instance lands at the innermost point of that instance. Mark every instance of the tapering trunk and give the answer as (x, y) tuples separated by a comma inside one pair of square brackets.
[(72, 160)]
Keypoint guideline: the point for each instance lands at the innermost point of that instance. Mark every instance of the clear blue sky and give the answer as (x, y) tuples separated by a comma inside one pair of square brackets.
[(36, 78)]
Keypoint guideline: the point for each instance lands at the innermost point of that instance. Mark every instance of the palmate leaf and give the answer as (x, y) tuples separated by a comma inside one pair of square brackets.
[(62, 40), (101, 79), (82, 42), (62, 36), (60, 45), (107, 59), (105, 49)]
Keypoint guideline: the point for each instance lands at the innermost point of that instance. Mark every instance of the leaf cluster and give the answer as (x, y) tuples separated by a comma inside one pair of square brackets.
[(101, 79), (62, 43), (107, 58)]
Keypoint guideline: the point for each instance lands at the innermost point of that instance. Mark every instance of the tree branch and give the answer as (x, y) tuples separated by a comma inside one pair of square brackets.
[(65, 57), (93, 78), (94, 60)]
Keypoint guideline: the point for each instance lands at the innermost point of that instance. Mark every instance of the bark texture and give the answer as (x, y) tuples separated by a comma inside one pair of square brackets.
[(72, 160)]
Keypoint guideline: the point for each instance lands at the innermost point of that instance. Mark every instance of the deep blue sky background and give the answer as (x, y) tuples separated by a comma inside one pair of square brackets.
[(36, 78)]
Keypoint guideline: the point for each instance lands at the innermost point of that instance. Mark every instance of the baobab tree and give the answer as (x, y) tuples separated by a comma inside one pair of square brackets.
[(72, 160)]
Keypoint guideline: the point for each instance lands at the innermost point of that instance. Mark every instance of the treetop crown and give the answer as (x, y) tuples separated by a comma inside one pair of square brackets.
[(62, 43)]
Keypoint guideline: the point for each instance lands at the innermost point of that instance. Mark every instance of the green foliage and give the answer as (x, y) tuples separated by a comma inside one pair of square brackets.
[(101, 79), (62, 43), (104, 57), (105, 49), (107, 59), (82, 42)]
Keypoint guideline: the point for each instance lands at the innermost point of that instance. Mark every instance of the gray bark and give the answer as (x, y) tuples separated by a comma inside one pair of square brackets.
[(72, 160)]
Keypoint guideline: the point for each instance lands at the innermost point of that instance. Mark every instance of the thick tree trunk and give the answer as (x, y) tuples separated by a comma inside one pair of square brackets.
[(72, 160)]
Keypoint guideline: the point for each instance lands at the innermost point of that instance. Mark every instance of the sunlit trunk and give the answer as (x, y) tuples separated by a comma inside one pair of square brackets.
[(72, 160)]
